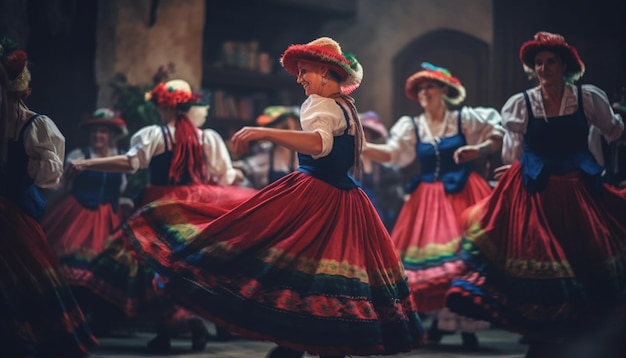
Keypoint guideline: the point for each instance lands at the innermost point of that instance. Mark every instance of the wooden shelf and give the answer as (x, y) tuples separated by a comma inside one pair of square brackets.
[(244, 79)]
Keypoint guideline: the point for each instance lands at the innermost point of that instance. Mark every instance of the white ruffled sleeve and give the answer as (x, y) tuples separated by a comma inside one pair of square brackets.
[(604, 122), (514, 120), (324, 116), (480, 123), (45, 147), (144, 144), (402, 142), (218, 161)]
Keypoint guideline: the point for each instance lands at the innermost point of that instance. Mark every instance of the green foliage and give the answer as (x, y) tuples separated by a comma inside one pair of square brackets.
[(130, 102)]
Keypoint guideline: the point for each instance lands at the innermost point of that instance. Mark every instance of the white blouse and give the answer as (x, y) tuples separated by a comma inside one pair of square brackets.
[(477, 125), (45, 147), (323, 115), (149, 142), (598, 110), (78, 154)]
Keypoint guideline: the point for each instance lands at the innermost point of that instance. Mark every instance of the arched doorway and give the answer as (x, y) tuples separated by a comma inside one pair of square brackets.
[(466, 56)]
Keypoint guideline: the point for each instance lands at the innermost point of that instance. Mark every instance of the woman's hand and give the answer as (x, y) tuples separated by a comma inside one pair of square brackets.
[(466, 153), (500, 171), (240, 141), (74, 168)]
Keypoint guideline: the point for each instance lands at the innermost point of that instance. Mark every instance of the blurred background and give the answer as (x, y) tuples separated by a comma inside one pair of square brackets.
[(87, 54)]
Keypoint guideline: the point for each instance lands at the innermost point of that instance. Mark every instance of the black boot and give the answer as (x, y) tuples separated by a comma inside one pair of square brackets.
[(161, 343), (284, 352), (223, 334), (470, 341), (434, 334), (199, 335)]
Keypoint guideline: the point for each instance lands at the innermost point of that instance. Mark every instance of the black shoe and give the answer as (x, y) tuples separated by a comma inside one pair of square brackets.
[(223, 334), (470, 341), (434, 334), (283, 352), (160, 344), (199, 336)]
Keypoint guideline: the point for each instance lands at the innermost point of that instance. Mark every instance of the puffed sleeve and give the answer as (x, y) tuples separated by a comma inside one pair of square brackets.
[(480, 123), (219, 164), (45, 147), (324, 116), (514, 120), (402, 141), (599, 113), (144, 145)]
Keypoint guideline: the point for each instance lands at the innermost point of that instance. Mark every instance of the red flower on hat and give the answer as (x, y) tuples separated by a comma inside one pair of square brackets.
[(171, 97)]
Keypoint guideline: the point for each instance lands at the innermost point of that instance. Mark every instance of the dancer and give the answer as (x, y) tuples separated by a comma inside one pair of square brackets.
[(38, 314), (185, 163), (270, 162), (306, 262), (546, 252), (94, 197), (427, 232)]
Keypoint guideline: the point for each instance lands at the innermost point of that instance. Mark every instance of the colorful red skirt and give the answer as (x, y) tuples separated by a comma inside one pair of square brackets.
[(38, 314), (116, 274), (77, 235), (541, 263), (302, 263), (427, 236)]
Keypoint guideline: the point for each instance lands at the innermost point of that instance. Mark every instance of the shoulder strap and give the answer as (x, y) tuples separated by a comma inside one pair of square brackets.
[(86, 152), (580, 97), (27, 124), (167, 137), (345, 116), (415, 128), (528, 106)]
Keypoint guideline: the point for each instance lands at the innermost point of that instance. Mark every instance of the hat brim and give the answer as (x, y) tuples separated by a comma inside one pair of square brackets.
[(350, 79), (575, 66), (116, 124), (456, 91)]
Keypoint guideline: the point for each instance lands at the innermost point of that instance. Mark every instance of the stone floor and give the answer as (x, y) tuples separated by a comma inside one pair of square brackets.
[(493, 343)]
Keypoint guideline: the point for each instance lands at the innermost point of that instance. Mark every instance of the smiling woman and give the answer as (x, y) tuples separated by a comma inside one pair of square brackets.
[(306, 262), (444, 142), (546, 254)]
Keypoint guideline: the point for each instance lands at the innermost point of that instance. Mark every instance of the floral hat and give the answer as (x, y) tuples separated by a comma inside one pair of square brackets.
[(327, 51), (273, 114), (456, 91), (546, 41), (14, 62), (172, 93), (371, 120), (107, 117)]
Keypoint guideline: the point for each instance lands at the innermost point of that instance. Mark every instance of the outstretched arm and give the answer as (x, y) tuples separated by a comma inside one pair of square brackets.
[(377, 152), (309, 143), (116, 163)]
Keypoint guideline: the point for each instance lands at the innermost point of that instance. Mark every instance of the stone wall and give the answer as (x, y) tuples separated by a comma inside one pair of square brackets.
[(384, 28), (136, 37)]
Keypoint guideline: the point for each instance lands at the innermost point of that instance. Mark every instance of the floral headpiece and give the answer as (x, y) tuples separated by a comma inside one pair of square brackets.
[(456, 91), (14, 62), (172, 94)]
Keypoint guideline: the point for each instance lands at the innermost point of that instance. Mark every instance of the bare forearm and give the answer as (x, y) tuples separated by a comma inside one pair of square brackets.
[(377, 152), (309, 143), (117, 163), (490, 146)]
